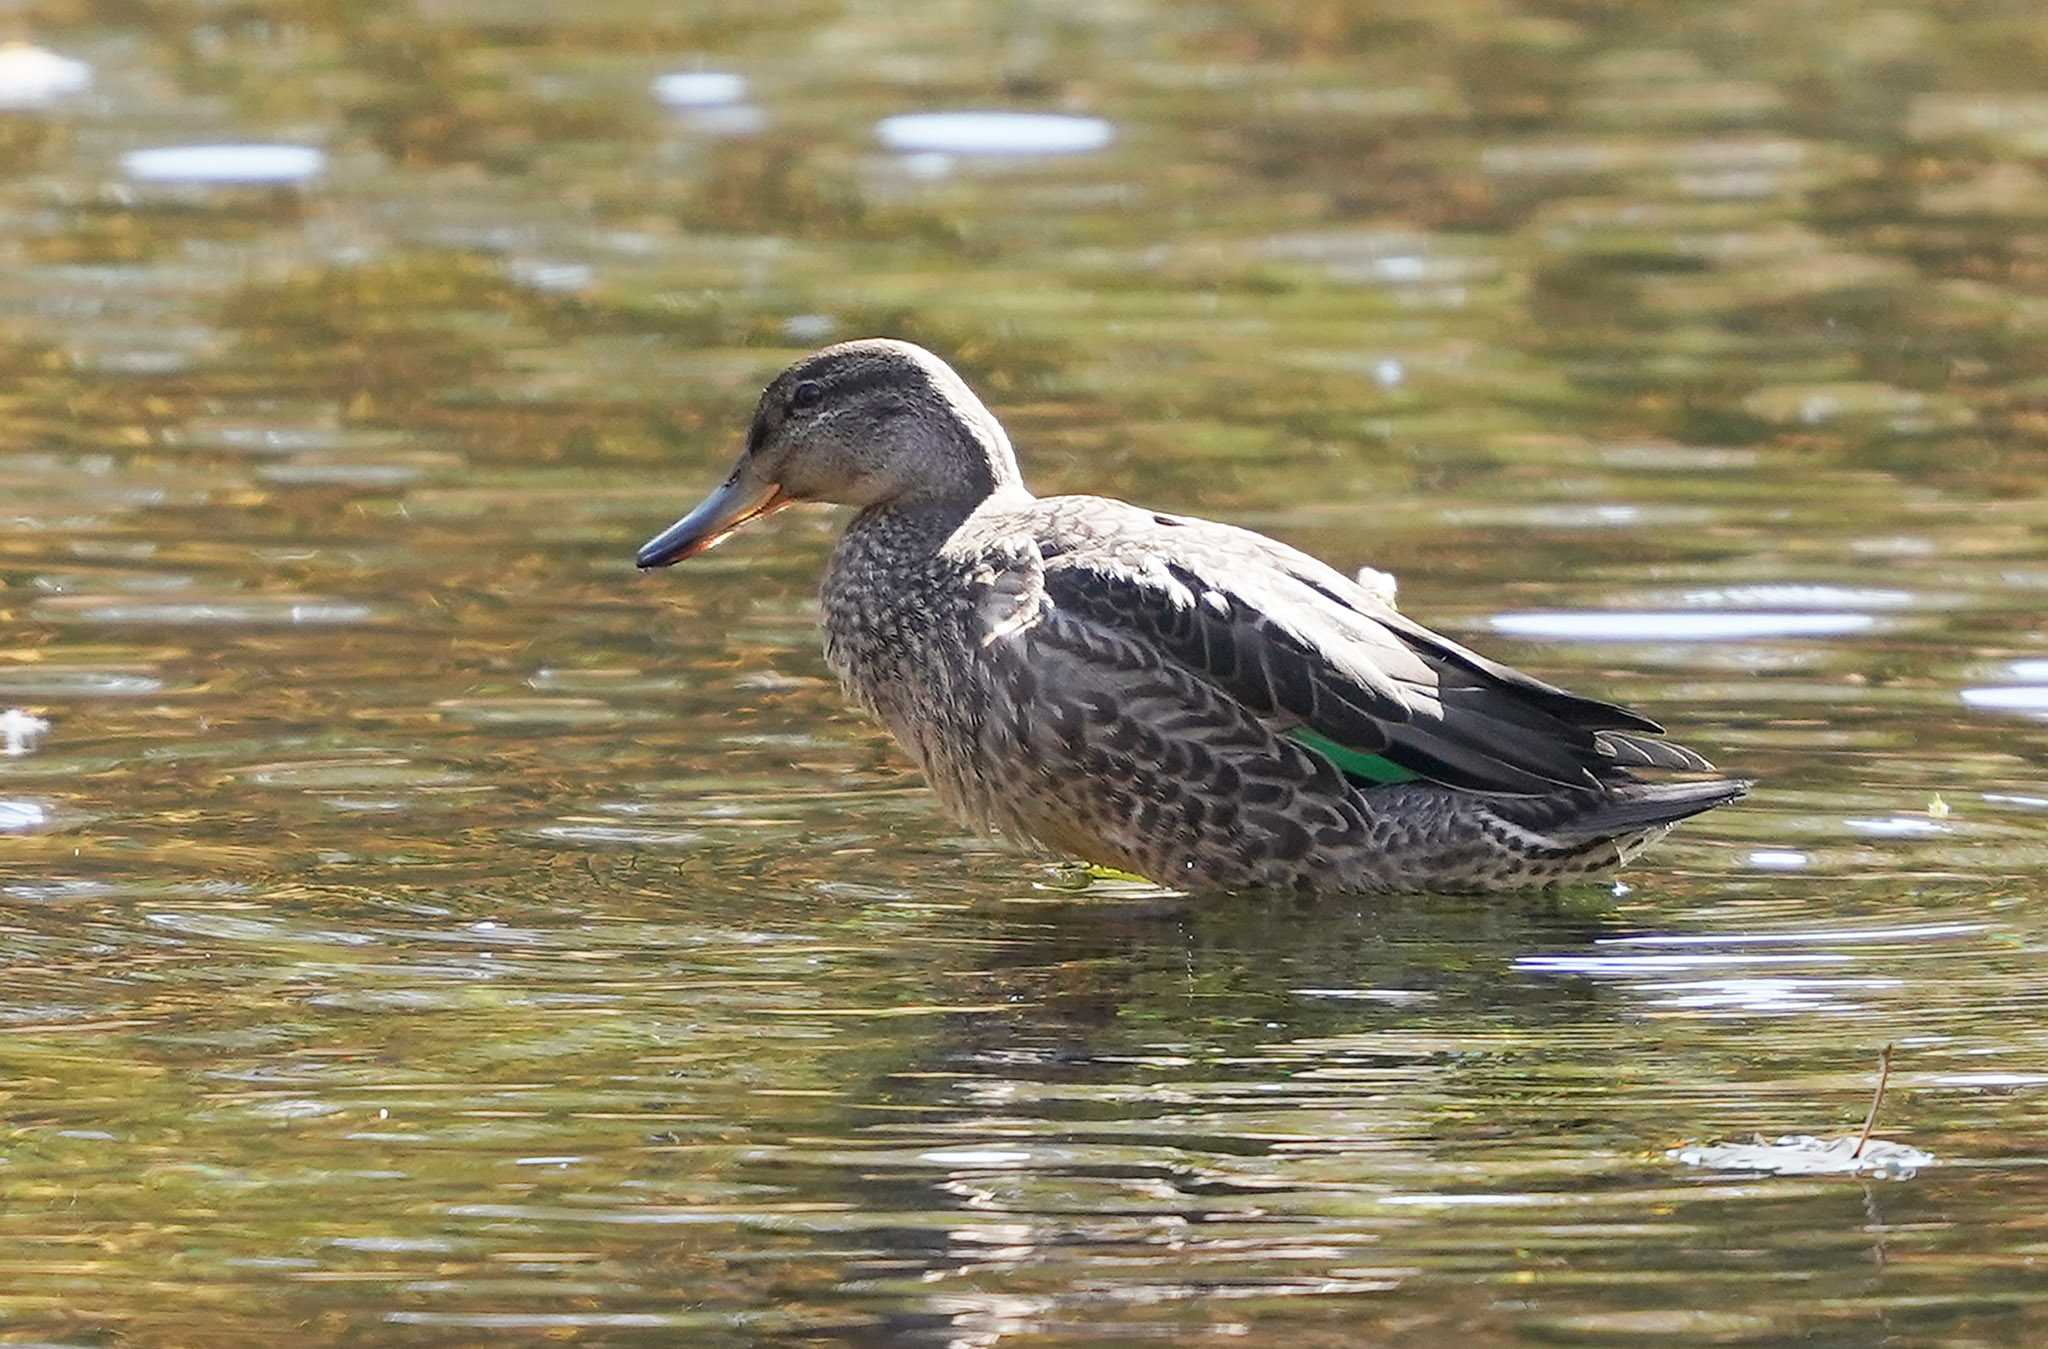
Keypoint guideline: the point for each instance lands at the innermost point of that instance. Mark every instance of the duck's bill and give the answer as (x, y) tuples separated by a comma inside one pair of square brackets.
[(724, 511)]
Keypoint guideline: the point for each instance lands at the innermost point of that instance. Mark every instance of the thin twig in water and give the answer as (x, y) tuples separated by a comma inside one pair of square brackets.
[(1884, 1075)]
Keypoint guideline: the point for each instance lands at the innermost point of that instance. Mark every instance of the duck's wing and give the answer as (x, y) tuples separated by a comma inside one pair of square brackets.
[(1313, 652)]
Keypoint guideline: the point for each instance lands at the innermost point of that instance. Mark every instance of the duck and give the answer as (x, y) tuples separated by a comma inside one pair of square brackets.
[(1185, 700)]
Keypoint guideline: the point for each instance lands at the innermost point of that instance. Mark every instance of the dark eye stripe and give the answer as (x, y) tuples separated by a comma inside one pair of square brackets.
[(854, 383)]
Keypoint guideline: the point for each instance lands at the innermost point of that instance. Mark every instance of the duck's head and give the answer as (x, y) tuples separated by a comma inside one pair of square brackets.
[(859, 424)]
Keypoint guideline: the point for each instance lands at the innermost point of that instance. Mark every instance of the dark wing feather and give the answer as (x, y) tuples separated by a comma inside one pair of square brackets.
[(1634, 751), (1299, 644)]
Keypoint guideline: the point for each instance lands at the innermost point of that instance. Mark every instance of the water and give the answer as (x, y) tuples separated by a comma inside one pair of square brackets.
[(417, 927)]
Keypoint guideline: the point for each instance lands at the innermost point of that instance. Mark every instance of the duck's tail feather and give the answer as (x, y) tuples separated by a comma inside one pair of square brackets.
[(1623, 809)]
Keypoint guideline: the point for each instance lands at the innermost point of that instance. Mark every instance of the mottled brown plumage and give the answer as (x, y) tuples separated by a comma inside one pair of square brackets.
[(1187, 700)]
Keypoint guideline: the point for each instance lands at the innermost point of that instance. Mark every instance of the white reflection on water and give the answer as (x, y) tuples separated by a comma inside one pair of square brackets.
[(1797, 595), (2030, 695), (1918, 932), (981, 1157), (2016, 698), (698, 88), (628, 835), (329, 474), (1898, 826), (31, 77), (561, 278), (1778, 859), (1986, 1079), (19, 817), (77, 681), (727, 119), (1763, 995), (712, 102), (254, 611), (1667, 626), (1806, 1155), (1655, 964), (19, 731), (1395, 996), (255, 165), (545, 1321), (1746, 990), (809, 327), (993, 133)]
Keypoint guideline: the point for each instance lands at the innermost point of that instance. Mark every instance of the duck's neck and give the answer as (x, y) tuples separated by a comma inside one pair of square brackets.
[(925, 521), (977, 467), (977, 464)]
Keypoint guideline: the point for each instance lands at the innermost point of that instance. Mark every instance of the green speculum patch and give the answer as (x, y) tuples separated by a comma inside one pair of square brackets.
[(1365, 768)]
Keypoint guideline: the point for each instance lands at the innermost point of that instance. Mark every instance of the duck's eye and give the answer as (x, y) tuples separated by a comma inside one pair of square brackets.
[(805, 394)]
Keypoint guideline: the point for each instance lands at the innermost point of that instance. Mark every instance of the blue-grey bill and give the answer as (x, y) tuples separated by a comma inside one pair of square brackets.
[(718, 515)]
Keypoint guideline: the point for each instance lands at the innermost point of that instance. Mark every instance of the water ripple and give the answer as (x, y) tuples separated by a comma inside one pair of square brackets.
[(1680, 626)]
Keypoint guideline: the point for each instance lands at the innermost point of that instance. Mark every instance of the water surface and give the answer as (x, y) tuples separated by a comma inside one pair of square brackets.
[(415, 926)]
